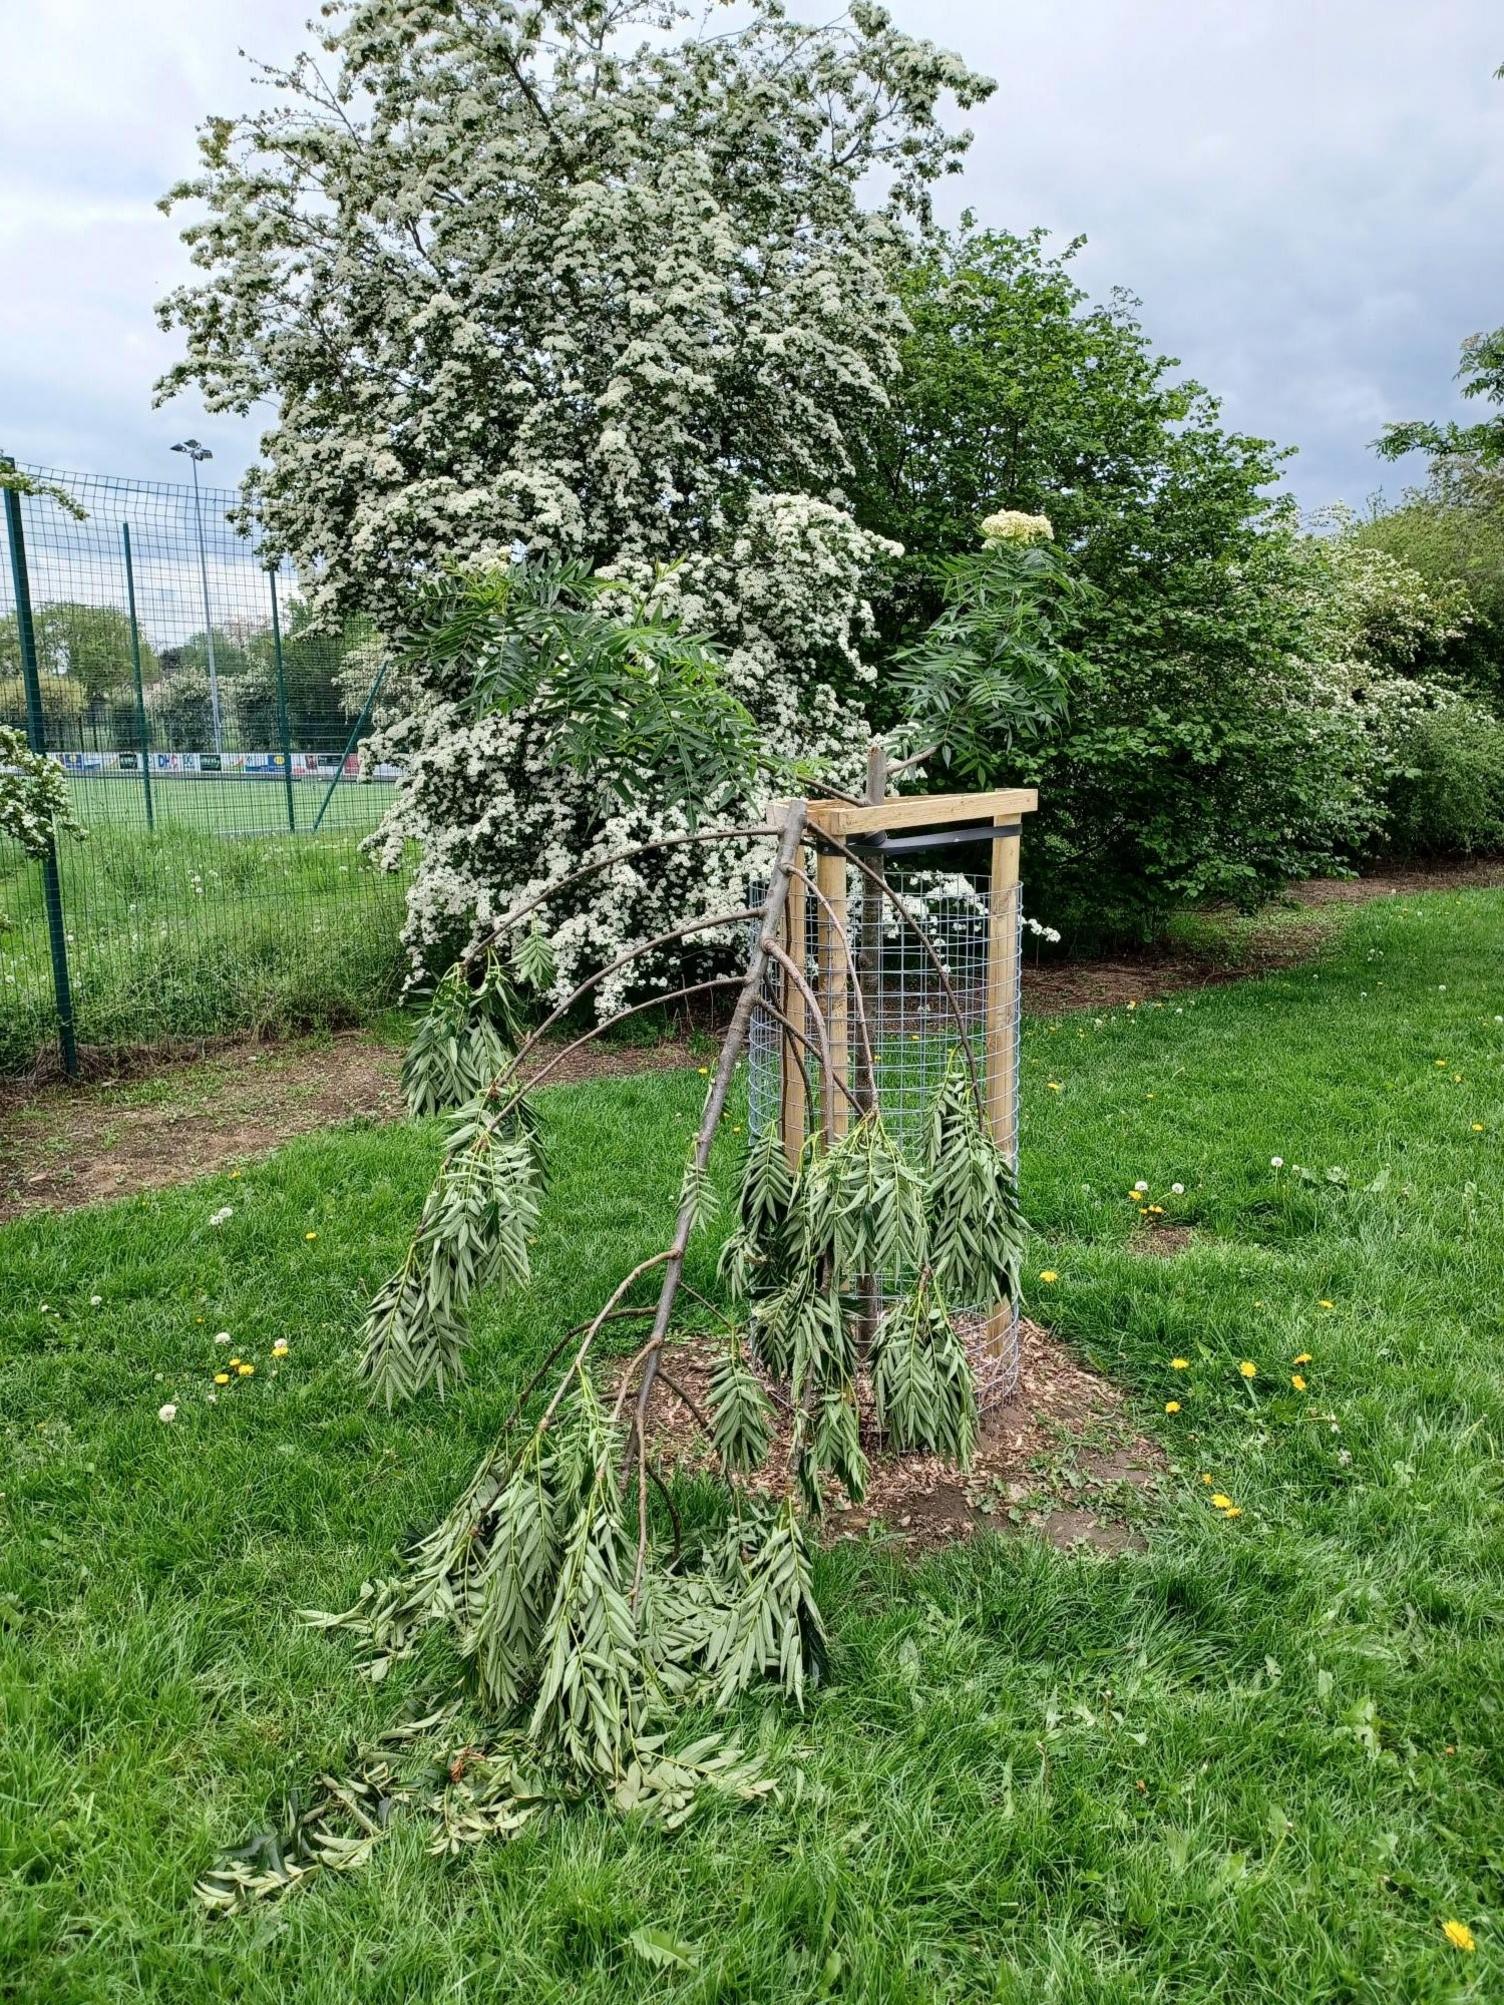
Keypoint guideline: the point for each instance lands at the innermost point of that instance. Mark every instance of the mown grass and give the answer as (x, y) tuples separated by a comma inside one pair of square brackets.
[(216, 921), (1260, 1761)]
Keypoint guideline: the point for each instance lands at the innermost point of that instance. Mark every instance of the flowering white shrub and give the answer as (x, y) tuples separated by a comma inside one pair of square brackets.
[(34, 800), (497, 818), (514, 285)]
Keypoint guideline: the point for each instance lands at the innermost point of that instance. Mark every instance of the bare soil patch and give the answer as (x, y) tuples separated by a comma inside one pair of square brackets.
[(1293, 929), (62, 1146), (1059, 1458), (1165, 1241), (144, 1120)]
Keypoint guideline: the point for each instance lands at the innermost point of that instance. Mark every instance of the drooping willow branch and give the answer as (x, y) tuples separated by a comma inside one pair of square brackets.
[(478, 949)]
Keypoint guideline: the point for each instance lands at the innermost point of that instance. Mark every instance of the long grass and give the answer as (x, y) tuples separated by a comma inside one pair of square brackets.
[(219, 919), (1259, 1761)]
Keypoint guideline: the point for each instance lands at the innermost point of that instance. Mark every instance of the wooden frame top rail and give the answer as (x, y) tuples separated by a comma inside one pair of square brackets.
[(918, 811)]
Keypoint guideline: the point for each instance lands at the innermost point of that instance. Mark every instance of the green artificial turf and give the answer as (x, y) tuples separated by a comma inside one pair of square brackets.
[(1260, 1760)]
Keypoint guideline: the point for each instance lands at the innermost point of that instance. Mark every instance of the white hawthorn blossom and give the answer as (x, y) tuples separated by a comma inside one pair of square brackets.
[(35, 804), (517, 285)]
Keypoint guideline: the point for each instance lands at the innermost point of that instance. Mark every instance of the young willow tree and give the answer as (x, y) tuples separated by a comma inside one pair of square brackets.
[(591, 1624), (515, 278)]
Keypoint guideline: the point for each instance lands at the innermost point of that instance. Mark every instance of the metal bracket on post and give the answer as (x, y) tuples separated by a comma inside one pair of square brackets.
[(36, 733)]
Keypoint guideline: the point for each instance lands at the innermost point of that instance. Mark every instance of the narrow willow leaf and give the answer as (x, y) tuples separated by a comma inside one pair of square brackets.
[(741, 1414)]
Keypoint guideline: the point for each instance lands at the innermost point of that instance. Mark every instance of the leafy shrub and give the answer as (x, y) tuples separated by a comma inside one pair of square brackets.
[(1447, 796)]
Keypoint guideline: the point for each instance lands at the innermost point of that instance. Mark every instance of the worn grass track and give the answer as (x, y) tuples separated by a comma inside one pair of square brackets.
[(1260, 1761)]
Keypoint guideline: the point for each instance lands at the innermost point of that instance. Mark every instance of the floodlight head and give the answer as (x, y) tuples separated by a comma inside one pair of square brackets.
[(194, 450)]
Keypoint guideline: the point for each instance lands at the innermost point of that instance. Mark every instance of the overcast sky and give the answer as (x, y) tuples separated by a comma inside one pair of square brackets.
[(1306, 195)]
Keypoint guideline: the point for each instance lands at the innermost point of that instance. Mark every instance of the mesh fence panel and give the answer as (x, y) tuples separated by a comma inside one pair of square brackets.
[(209, 734)]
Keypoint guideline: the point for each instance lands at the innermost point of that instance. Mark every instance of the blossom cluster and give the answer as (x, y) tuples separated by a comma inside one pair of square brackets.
[(35, 804), (1011, 525)]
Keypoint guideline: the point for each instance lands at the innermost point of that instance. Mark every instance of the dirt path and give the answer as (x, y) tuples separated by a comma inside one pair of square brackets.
[(64, 1146)]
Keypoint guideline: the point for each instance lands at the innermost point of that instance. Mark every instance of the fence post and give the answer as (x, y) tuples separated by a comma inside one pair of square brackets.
[(36, 732), (141, 733), (282, 726), (351, 742)]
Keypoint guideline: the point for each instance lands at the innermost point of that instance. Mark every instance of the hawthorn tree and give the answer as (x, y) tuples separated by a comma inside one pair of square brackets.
[(515, 281)]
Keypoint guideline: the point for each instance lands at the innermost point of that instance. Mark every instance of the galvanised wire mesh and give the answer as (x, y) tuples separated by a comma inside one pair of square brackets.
[(916, 1018), (210, 735)]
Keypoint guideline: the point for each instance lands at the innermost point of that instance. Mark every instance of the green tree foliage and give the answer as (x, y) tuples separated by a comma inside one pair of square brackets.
[(990, 675), (86, 646), (1214, 747), (620, 695), (1451, 531), (1481, 374), (180, 712)]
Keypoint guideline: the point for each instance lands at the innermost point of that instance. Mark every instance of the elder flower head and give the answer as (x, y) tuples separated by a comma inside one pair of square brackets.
[(1011, 525)]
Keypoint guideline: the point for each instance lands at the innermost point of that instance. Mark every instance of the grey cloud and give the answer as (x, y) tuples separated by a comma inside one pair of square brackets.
[(1305, 195)]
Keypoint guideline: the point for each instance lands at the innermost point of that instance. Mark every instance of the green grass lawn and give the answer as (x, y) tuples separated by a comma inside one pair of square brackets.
[(1261, 1760), (219, 920)]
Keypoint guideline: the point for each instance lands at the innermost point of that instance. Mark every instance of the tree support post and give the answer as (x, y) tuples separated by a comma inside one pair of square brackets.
[(1001, 1055)]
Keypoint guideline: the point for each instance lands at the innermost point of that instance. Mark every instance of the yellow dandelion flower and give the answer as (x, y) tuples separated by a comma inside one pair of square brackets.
[(1477, 1127), (1049, 1274), (1135, 1197), (1459, 1935), (1053, 1084), (1304, 1358), (279, 1348), (234, 1362), (310, 1235), (1325, 1304), (1442, 1064), (1221, 1502), (221, 1378), (1180, 1364), (1233, 1511), (703, 1070), (1248, 1369), (245, 1371), (1172, 1406), (1206, 1479), (1155, 1210), (1297, 1381)]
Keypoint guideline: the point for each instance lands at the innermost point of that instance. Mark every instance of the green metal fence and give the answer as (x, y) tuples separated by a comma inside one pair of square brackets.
[(210, 733)]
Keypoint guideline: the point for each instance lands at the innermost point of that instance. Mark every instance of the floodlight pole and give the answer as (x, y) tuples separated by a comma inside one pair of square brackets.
[(195, 453)]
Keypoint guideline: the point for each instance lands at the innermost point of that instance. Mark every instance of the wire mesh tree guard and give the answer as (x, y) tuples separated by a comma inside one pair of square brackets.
[(908, 931)]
